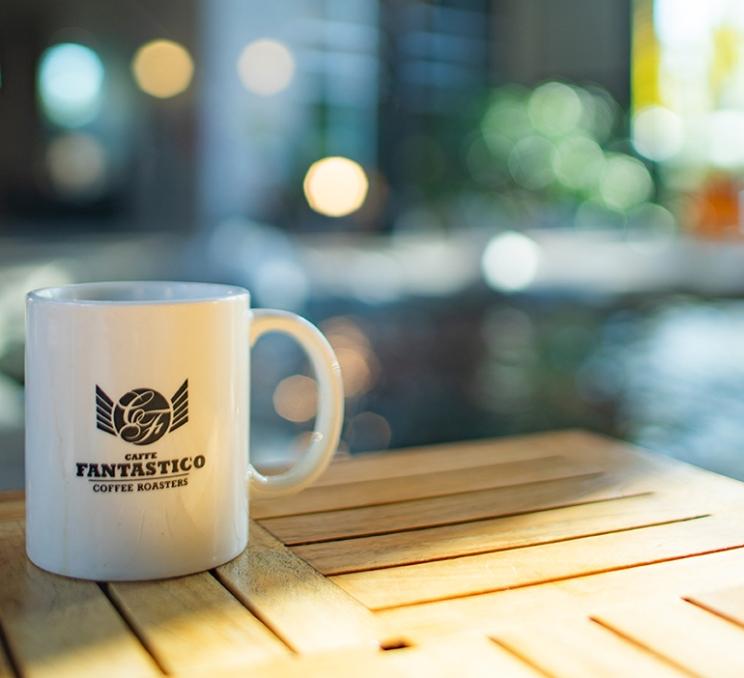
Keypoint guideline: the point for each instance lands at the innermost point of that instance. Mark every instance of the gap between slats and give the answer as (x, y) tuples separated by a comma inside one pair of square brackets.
[(454, 523), (644, 647), (223, 632), (255, 610), (730, 608), (556, 579), (47, 618), (580, 647), (8, 662), (492, 612), (422, 486), (684, 633), (437, 457), (305, 609), (452, 509), (330, 571), (131, 626), (412, 585), (521, 657)]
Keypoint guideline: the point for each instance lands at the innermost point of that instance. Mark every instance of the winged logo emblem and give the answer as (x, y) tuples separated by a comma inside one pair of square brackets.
[(142, 416)]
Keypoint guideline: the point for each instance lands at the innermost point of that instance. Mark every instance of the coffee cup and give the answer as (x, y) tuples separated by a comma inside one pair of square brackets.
[(137, 426)]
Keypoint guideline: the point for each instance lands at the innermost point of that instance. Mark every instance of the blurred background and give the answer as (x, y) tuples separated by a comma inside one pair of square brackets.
[(506, 215)]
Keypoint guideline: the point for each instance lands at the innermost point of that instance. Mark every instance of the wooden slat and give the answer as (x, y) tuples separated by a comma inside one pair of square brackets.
[(432, 458), (58, 627), (445, 510), (453, 655), (386, 490), (617, 455), (302, 607), (357, 663), (579, 597), (12, 530), (194, 623), (727, 603), (418, 546), (581, 648), (448, 510), (558, 533), (12, 507), (469, 575), (682, 633), (573, 443)]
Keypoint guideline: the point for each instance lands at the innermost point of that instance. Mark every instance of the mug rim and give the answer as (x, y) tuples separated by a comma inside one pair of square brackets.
[(142, 293)]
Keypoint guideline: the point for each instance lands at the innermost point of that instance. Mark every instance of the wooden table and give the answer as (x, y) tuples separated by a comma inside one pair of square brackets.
[(561, 554)]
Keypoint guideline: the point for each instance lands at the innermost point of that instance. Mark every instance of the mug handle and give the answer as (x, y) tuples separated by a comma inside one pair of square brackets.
[(329, 419)]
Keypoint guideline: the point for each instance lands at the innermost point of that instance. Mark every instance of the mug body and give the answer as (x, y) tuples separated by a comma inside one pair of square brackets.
[(136, 428)]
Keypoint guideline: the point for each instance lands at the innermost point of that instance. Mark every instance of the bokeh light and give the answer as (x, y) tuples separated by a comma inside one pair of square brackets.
[(359, 366), (554, 108), (625, 182), (531, 162), (506, 118), (684, 22), (650, 228), (599, 112), (510, 261), (296, 398), (335, 186), (369, 431), (70, 83), (77, 165), (266, 67), (355, 371), (578, 162), (162, 68), (726, 141), (343, 332), (658, 133)]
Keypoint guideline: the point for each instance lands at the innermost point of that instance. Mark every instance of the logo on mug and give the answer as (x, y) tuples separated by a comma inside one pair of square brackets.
[(142, 415)]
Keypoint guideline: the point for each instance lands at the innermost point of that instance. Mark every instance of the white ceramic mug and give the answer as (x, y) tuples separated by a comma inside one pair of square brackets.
[(137, 426)]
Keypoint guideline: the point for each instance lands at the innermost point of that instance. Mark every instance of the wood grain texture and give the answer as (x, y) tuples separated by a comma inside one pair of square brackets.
[(566, 599), (620, 456), (581, 648), (682, 633), (12, 507), (453, 509), (452, 655), (727, 603), (431, 459), (387, 490), (488, 558), (470, 575), (193, 623), (574, 443), (460, 656), (306, 610), (544, 527), (59, 627)]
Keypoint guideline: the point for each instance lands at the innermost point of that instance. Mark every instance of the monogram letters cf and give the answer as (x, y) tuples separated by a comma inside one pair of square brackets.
[(142, 415)]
